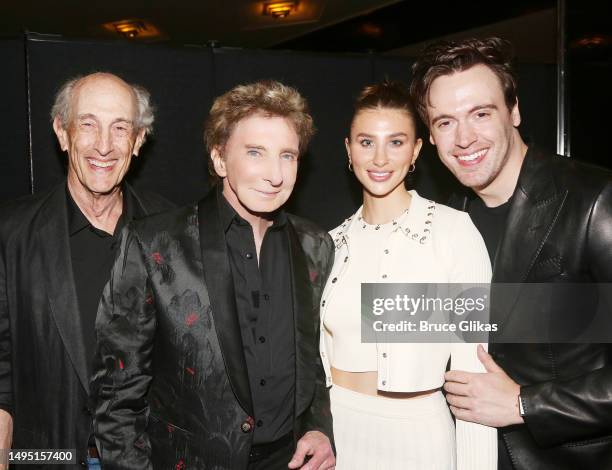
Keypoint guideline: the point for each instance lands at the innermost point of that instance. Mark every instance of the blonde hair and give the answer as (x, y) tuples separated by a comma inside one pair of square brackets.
[(268, 97)]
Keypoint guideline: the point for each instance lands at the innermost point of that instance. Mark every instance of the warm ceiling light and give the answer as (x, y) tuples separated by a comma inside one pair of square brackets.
[(133, 29), (371, 29), (129, 29), (279, 9), (591, 41)]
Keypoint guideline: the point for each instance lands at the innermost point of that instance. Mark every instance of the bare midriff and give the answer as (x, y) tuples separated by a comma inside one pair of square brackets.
[(367, 383)]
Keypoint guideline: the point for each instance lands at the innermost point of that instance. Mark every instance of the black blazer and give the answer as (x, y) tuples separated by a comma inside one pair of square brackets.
[(559, 230), (44, 374), (170, 384)]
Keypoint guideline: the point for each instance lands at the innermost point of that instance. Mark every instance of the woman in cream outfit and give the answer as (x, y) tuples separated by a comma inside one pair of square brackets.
[(386, 400)]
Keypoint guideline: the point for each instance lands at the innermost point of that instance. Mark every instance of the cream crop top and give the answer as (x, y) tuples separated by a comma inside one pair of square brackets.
[(343, 321), (432, 243)]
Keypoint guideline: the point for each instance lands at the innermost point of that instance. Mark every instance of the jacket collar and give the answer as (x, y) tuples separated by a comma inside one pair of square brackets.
[(305, 333), (220, 287), (535, 207), (59, 280), (53, 238)]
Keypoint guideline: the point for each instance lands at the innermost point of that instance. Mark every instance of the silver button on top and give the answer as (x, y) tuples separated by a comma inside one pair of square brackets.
[(245, 427)]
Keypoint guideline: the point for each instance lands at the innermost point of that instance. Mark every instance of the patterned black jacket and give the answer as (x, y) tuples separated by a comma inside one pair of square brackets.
[(170, 386)]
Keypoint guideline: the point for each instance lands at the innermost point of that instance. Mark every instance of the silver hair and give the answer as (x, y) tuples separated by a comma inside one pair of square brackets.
[(144, 110)]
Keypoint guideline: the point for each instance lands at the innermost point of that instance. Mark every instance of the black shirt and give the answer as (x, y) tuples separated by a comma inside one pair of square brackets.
[(92, 252), (265, 313), (490, 222)]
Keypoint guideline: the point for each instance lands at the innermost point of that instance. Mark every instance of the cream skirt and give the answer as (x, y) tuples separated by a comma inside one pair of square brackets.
[(379, 433)]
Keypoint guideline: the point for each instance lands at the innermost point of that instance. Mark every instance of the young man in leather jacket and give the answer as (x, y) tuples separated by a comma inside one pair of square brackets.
[(545, 219)]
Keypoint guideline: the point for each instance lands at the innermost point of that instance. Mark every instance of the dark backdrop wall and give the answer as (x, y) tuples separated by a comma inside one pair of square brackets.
[(14, 152), (184, 81), (589, 71)]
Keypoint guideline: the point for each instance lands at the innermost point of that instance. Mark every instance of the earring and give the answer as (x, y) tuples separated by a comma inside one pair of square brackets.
[(412, 168), (350, 166)]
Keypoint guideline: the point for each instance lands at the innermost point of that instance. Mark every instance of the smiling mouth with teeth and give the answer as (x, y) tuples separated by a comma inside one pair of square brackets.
[(379, 176), (472, 156), (101, 164)]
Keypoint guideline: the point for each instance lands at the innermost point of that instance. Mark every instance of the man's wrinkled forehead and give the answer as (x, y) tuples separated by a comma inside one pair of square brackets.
[(103, 90)]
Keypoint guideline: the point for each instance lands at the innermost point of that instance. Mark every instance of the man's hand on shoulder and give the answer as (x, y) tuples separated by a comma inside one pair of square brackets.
[(316, 445)]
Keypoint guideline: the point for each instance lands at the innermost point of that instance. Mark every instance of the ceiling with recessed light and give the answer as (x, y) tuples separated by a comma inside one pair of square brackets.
[(382, 26)]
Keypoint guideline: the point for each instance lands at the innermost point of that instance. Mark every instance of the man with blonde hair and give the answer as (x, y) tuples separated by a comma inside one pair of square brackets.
[(208, 330), (56, 252)]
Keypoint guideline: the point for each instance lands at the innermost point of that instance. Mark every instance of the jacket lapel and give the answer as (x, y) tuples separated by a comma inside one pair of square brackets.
[(59, 281), (535, 207), (305, 341), (220, 286)]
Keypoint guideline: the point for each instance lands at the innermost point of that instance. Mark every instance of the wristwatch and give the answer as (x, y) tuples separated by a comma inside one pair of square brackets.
[(521, 407)]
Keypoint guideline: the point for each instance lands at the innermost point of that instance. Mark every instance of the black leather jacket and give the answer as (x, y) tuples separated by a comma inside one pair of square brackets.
[(559, 229)]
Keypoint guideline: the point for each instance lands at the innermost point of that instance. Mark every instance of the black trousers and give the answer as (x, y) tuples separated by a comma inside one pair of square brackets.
[(277, 460)]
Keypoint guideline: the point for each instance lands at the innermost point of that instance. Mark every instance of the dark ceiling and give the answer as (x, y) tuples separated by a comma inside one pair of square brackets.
[(409, 22), (382, 26), (229, 23), (320, 25)]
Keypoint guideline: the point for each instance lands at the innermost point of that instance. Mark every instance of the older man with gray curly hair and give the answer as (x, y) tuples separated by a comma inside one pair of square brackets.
[(56, 252)]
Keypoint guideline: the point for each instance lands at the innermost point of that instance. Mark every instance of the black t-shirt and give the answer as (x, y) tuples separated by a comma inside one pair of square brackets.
[(490, 222)]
